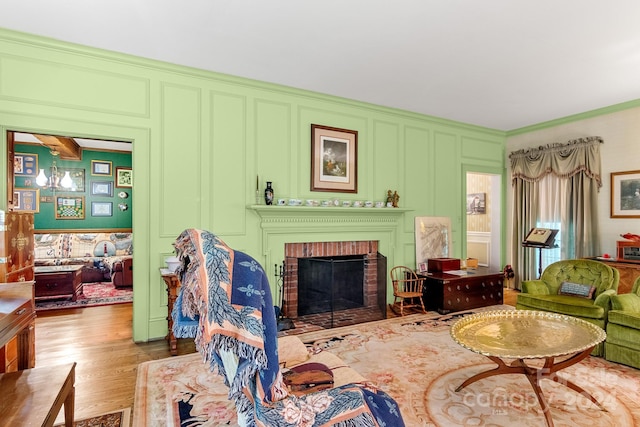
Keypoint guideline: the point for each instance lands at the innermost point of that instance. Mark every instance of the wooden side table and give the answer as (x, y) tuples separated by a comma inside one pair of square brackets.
[(173, 286), (34, 397)]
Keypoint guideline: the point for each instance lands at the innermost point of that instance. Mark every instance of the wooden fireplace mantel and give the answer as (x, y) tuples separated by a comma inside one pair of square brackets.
[(283, 214)]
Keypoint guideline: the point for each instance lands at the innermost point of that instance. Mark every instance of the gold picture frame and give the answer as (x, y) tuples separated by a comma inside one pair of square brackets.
[(334, 159), (70, 207), (625, 194), (26, 200)]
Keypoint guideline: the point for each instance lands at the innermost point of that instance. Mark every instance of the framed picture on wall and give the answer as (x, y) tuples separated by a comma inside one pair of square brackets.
[(25, 164), (102, 188), (77, 178), (476, 203), (124, 177), (625, 194), (69, 207), (101, 168), (334, 159), (26, 200), (101, 208)]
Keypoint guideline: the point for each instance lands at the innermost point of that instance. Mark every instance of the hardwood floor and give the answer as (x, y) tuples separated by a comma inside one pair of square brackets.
[(99, 340)]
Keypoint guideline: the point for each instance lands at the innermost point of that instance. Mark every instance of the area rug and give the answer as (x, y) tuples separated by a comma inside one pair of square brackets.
[(415, 360), (93, 294), (121, 418)]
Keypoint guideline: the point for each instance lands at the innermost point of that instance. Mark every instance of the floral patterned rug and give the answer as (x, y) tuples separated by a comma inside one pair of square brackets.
[(93, 294), (415, 360)]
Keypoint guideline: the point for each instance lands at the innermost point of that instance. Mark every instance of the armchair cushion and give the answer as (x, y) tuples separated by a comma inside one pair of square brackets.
[(564, 304), (625, 318), (626, 302)]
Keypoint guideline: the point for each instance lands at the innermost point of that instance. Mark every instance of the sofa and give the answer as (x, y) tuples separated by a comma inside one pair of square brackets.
[(578, 287), (105, 256), (623, 328)]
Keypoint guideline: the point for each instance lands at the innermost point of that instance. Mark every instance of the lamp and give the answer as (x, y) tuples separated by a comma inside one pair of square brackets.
[(54, 182)]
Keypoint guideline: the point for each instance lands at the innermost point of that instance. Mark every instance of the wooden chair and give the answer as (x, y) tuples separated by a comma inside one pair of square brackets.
[(407, 287)]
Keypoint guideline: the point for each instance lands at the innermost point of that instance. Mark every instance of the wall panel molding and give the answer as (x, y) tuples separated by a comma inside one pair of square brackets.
[(70, 86)]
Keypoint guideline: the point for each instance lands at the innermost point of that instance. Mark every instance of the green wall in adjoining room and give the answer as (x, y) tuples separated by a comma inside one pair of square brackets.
[(201, 138), (46, 219)]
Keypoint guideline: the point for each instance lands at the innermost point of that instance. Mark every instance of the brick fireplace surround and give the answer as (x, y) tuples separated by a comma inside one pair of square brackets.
[(294, 251)]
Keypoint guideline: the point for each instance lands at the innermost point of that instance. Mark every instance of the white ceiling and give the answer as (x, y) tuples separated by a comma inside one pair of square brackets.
[(503, 64)]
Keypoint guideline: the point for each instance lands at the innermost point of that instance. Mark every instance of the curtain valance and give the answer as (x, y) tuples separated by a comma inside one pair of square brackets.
[(562, 160)]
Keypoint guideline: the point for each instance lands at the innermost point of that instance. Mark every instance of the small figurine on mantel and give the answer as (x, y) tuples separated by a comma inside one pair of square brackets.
[(389, 198), (395, 199)]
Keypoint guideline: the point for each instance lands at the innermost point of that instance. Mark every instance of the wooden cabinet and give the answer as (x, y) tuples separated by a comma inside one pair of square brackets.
[(448, 292), (17, 326), (629, 272), (16, 247)]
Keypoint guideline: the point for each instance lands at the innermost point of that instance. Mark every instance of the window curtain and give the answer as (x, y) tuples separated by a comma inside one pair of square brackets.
[(556, 182)]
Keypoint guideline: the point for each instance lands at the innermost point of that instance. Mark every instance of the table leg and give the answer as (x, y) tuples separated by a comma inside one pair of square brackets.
[(534, 375), (69, 404)]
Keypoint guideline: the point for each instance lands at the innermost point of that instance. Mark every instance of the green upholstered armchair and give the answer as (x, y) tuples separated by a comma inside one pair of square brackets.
[(544, 294), (623, 328)]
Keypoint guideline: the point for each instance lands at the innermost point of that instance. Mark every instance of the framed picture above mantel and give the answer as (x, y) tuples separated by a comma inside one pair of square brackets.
[(334, 159)]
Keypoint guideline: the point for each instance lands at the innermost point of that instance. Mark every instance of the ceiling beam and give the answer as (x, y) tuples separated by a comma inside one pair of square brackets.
[(67, 147)]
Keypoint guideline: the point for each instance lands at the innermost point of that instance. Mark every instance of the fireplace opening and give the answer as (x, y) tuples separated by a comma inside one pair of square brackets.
[(328, 284), (354, 288)]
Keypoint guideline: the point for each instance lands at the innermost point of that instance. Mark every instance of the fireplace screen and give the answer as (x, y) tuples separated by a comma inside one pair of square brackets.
[(328, 284)]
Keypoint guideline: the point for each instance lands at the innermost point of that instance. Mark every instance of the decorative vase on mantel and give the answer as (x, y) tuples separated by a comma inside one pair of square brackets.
[(268, 194)]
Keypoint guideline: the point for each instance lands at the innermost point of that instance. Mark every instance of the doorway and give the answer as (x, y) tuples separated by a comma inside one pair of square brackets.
[(483, 218), (86, 221)]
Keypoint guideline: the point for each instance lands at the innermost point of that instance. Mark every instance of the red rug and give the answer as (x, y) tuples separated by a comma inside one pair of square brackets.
[(93, 294)]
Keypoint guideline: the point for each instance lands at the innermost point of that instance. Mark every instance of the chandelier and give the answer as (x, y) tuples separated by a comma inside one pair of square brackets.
[(54, 182)]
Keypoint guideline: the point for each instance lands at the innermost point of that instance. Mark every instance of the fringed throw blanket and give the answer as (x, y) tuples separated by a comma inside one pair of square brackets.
[(228, 293)]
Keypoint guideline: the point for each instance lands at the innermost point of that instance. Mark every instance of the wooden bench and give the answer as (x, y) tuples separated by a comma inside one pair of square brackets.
[(33, 397)]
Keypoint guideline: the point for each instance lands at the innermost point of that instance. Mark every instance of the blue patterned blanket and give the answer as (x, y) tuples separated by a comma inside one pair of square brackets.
[(227, 294)]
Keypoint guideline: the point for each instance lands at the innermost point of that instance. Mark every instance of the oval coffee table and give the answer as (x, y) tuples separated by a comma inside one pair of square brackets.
[(526, 334)]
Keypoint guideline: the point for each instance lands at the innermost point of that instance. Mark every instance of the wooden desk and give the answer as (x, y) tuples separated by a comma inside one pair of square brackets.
[(17, 326), (33, 397), (447, 292), (173, 285)]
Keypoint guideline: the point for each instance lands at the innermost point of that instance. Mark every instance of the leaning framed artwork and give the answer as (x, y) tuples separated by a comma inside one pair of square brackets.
[(433, 238), (625, 194), (334, 159)]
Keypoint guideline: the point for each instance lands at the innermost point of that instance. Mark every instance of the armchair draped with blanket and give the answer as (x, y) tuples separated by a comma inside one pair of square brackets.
[(228, 293)]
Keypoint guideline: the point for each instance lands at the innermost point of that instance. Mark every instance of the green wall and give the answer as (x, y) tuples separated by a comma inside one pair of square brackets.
[(46, 218), (200, 138)]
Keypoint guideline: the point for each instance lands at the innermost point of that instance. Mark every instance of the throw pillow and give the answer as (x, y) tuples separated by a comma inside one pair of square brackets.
[(626, 302), (576, 290), (291, 351)]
